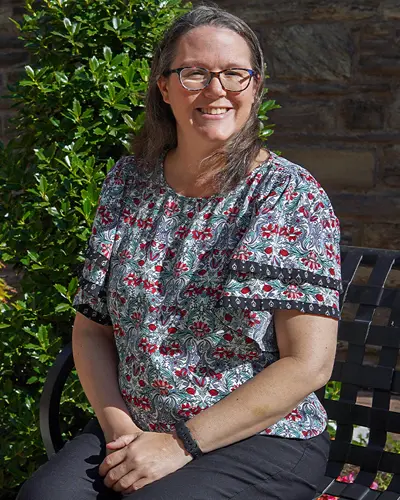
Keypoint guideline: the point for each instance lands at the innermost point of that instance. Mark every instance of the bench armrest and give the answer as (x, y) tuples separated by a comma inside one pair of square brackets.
[(50, 401)]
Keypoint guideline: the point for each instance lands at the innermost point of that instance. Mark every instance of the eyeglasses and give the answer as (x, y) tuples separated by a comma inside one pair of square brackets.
[(232, 80)]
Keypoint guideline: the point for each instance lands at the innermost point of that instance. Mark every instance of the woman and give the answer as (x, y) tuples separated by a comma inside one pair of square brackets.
[(207, 313)]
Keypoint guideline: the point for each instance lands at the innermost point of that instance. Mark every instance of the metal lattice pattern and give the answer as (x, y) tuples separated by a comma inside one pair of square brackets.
[(367, 300)]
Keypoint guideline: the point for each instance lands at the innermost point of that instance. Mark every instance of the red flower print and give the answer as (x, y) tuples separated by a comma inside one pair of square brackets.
[(242, 254), (207, 233), (171, 208), (159, 269), (228, 337), (311, 261), (163, 386), (125, 254), (207, 216), (180, 267), (146, 346), (294, 415), (293, 292), (142, 383), (232, 213), (304, 211), (267, 288), (188, 411), (152, 327), (128, 217), (332, 271), (191, 390), (200, 329), (283, 252), (269, 230), (310, 433), (182, 232), (252, 318), (221, 352), (181, 372), (268, 250), (143, 403), (105, 215), (329, 250), (118, 331), (137, 318), (213, 392), (290, 233), (133, 280), (145, 223), (170, 350), (196, 234), (319, 297), (106, 249), (245, 290), (290, 194)]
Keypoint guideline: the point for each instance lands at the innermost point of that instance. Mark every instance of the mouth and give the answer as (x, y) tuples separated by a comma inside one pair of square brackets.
[(213, 111)]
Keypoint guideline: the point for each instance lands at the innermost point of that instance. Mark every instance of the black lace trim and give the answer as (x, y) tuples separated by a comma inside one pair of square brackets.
[(92, 288), (94, 315), (269, 304), (286, 276), (96, 258)]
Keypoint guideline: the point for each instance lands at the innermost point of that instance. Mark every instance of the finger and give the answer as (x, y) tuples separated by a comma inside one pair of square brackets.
[(142, 482), (126, 483), (122, 441), (112, 460), (117, 473)]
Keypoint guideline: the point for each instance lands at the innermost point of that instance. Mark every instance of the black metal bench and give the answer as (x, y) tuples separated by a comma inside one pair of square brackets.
[(370, 318)]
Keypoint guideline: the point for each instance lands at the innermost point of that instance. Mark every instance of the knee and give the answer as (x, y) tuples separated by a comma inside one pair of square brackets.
[(36, 488)]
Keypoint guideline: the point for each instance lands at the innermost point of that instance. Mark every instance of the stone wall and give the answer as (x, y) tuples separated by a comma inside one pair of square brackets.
[(13, 58), (335, 70)]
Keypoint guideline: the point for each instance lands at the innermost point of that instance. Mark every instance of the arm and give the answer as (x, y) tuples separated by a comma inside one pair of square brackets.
[(96, 363), (307, 346)]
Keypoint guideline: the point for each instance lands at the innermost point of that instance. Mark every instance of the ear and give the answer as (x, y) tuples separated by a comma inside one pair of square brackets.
[(162, 83)]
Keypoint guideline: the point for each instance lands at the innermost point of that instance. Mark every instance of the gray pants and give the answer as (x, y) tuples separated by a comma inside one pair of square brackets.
[(258, 468)]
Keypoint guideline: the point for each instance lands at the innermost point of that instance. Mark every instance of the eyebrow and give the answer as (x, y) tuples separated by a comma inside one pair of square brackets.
[(196, 64)]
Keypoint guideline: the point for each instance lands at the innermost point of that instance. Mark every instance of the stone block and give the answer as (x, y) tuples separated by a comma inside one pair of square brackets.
[(335, 169), (10, 41), (377, 207), (379, 50), (309, 52), (362, 114), (309, 115), (11, 59), (6, 26), (391, 9), (389, 171), (294, 11), (350, 231), (394, 113), (382, 235)]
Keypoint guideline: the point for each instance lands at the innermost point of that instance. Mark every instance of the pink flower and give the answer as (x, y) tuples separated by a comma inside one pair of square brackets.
[(293, 292)]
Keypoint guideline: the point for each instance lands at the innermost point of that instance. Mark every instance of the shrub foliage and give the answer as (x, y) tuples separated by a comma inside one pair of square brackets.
[(81, 98)]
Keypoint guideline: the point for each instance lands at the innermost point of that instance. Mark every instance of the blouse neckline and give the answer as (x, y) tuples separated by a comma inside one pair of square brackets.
[(183, 197)]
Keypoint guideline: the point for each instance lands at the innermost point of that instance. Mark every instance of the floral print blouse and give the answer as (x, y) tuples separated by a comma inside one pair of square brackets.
[(190, 285)]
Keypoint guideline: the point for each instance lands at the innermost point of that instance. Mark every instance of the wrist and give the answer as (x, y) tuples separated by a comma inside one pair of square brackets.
[(186, 439)]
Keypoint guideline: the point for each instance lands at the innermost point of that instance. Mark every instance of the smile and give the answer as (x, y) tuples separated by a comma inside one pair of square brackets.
[(214, 111)]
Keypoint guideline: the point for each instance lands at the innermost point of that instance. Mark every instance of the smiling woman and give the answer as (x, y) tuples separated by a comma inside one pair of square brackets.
[(208, 303)]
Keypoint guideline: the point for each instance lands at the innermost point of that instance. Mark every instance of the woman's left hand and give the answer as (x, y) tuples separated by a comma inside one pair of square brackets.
[(140, 460)]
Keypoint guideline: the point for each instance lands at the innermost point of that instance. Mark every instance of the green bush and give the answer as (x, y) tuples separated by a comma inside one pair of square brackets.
[(78, 104)]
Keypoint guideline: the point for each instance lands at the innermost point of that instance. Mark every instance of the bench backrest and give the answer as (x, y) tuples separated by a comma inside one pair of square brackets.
[(370, 326)]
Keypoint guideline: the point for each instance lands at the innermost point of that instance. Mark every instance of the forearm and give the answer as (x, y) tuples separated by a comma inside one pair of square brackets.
[(96, 363), (255, 405)]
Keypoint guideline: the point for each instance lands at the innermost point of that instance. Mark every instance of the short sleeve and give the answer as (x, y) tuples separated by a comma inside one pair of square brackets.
[(91, 298), (289, 256)]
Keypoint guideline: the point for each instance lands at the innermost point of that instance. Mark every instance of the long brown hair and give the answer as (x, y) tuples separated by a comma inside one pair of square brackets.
[(229, 164)]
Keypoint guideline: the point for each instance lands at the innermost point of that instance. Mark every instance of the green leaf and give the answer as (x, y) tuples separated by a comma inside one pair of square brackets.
[(62, 308), (107, 54), (30, 72), (76, 107)]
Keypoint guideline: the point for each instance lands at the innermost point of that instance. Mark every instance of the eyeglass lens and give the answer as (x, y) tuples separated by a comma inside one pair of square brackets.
[(198, 78)]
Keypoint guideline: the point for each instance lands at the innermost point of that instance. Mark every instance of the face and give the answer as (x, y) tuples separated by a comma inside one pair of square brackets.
[(215, 49)]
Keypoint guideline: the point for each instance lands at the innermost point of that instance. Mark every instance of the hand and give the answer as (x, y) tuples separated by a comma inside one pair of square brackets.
[(138, 460)]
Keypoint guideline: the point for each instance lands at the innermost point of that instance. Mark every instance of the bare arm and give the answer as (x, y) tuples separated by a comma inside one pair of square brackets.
[(96, 363), (307, 346)]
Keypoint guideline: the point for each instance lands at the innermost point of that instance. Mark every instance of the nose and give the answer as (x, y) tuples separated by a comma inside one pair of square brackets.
[(215, 87)]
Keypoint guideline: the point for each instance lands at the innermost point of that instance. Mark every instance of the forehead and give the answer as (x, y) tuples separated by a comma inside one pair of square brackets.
[(212, 47)]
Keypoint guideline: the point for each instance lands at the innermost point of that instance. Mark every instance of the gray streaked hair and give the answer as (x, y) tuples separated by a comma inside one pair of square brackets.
[(225, 167)]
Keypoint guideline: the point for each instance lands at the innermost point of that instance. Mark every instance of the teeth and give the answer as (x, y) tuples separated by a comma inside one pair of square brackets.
[(214, 111)]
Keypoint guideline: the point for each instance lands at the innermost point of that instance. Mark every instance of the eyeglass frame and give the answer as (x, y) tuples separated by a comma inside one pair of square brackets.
[(251, 72)]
